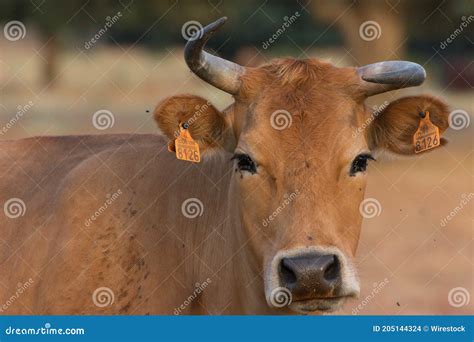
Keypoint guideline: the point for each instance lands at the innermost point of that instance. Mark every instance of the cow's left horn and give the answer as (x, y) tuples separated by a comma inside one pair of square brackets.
[(214, 70), (384, 76)]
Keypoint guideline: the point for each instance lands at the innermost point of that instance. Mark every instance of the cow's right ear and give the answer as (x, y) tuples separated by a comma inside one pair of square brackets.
[(207, 125), (393, 128)]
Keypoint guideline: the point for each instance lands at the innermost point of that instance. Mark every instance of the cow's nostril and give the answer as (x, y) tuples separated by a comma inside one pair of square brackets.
[(332, 271), (287, 275), (311, 275)]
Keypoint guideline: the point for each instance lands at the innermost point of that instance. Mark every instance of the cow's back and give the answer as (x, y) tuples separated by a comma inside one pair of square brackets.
[(100, 220)]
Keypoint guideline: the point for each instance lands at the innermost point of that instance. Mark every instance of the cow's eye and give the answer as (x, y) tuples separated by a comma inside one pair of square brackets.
[(245, 163), (359, 164)]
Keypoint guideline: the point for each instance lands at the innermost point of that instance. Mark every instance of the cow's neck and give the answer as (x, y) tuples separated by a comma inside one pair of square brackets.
[(238, 285)]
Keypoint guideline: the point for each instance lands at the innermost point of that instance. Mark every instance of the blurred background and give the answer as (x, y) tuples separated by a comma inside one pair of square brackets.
[(63, 61)]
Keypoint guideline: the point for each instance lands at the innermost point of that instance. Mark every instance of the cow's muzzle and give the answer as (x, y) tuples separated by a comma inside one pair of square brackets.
[(310, 276), (311, 279)]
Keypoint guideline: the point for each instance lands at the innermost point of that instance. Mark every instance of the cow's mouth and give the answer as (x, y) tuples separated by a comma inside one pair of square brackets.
[(328, 304)]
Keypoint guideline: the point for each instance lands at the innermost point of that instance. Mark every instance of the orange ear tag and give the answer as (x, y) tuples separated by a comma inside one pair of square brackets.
[(427, 135), (186, 148)]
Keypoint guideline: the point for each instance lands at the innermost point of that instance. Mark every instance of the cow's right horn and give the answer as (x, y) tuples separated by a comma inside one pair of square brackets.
[(385, 76), (214, 70)]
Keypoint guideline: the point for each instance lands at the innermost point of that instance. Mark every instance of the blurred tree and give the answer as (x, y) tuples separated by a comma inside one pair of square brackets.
[(372, 30)]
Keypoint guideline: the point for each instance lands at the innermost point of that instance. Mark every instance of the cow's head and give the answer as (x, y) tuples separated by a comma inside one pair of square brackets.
[(302, 139)]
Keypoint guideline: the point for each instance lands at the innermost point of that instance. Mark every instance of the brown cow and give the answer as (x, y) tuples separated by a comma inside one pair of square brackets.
[(267, 223)]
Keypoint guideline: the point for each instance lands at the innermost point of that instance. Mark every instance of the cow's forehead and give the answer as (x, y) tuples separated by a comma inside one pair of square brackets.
[(302, 107), (309, 76), (312, 92)]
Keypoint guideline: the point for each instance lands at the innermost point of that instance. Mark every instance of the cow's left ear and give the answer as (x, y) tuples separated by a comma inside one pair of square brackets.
[(206, 125), (393, 128)]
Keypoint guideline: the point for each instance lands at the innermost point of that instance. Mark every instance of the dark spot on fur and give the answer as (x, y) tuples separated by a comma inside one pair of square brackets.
[(146, 275), (310, 238), (125, 308), (133, 212), (122, 294)]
